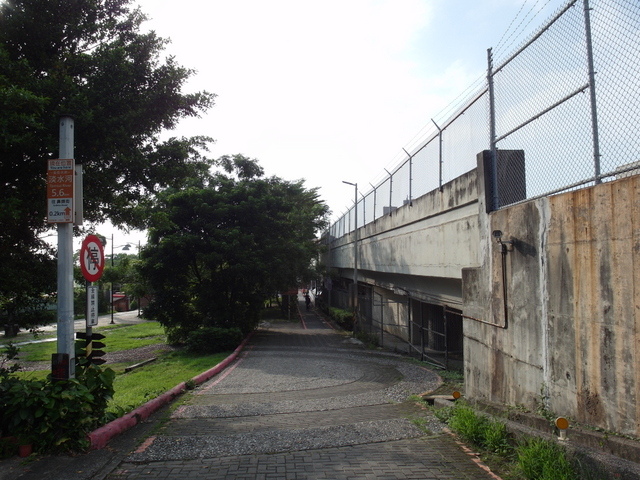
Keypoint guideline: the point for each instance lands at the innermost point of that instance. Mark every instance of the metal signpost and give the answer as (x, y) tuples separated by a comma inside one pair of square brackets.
[(61, 210)]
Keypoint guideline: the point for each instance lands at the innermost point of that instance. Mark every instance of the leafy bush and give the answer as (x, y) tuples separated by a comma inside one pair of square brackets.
[(55, 416), (213, 340), (344, 318)]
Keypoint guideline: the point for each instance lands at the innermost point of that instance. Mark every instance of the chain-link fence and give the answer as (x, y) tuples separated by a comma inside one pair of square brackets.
[(568, 97)]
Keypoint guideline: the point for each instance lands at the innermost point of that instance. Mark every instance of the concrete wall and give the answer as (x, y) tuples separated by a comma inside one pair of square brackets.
[(435, 237), (557, 325), (570, 339)]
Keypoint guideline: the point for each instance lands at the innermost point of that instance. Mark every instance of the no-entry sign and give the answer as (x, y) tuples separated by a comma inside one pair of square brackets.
[(92, 258)]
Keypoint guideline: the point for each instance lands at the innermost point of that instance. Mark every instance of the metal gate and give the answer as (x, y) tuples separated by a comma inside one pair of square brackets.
[(436, 332)]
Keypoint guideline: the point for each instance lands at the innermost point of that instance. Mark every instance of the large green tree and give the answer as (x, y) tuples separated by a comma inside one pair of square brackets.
[(90, 59), (216, 253)]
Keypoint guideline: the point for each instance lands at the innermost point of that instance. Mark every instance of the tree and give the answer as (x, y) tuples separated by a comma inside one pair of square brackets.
[(87, 58), (215, 254)]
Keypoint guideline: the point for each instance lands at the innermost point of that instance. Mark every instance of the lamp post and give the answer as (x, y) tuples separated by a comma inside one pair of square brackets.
[(124, 247), (355, 249)]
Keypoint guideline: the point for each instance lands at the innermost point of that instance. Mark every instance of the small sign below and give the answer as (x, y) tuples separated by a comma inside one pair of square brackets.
[(92, 306)]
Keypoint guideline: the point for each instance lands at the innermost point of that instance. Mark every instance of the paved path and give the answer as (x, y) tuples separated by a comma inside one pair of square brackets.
[(301, 402)]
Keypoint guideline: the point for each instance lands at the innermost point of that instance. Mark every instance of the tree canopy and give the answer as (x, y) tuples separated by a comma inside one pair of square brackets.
[(89, 59), (216, 253)]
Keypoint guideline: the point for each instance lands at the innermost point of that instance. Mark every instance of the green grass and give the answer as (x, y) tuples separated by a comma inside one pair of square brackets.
[(117, 338), (145, 383), (539, 459), (529, 459), (142, 384)]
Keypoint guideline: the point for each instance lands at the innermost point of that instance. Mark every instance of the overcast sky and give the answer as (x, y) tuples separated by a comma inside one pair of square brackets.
[(333, 90)]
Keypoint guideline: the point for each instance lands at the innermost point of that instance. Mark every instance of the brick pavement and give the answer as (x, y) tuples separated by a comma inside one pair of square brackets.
[(202, 438)]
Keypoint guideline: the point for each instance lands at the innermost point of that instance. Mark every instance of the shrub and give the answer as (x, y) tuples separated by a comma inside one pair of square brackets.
[(344, 318), (213, 340), (55, 416)]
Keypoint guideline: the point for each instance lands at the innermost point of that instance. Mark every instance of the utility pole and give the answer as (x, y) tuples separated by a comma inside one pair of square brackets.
[(65, 358)]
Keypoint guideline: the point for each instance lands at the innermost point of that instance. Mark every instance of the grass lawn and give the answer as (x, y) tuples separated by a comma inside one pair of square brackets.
[(134, 388), (145, 383), (117, 338)]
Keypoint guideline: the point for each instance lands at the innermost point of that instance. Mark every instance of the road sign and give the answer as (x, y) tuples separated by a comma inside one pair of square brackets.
[(91, 346), (92, 306), (92, 258), (60, 190)]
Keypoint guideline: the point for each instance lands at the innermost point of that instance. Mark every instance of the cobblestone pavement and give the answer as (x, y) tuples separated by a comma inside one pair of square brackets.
[(301, 402)]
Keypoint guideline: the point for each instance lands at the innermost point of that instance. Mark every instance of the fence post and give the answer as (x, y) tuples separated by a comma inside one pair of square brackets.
[(446, 345), (492, 129), (374, 201), (592, 93), (390, 191), (439, 154), (421, 331), (410, 177)]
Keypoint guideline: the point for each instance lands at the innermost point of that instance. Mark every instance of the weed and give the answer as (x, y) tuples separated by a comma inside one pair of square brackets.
[(469, 425), (369, 339), (496, 438), (535, 459), (538, 459)]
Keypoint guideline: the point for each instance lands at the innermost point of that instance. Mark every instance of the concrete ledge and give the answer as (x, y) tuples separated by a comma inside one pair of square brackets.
[(100, 437), (141, 364), (618, 456)]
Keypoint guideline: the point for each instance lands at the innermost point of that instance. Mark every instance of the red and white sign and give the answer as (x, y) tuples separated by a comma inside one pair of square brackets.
[(60, 189), (92, 258)]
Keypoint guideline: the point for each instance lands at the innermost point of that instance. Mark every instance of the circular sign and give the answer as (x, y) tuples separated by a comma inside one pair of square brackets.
[(92, 258), (562, 423)]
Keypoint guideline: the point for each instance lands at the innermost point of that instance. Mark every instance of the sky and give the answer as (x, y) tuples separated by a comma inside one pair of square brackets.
[(332, 91)]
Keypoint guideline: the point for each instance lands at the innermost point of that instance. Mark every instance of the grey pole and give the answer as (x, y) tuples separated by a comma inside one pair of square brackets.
[(439, 154), (65, 262), (355, 248), (410, 177), (592, 93), (495, 194)]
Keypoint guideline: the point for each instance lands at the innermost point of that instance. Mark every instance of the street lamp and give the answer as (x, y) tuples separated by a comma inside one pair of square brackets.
[(355, 250), (124, 248)]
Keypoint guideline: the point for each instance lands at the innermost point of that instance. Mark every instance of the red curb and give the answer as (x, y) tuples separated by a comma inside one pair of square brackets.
[(100, 437)]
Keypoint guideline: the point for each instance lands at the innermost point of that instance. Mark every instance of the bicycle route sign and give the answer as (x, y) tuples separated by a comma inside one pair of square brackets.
[(60, 190)]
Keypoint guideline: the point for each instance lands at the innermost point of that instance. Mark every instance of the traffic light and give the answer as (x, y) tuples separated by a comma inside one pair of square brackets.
[(90, 348)]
